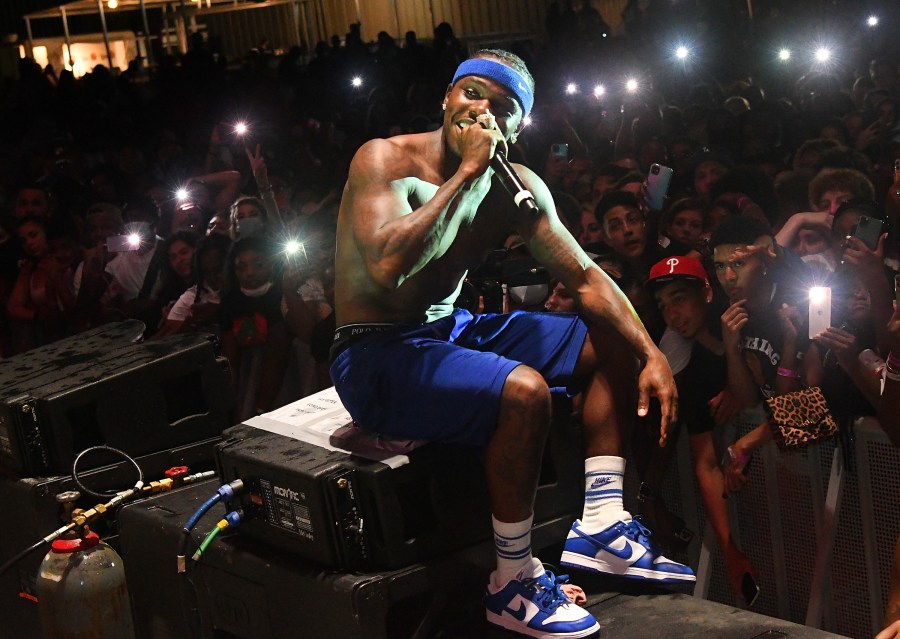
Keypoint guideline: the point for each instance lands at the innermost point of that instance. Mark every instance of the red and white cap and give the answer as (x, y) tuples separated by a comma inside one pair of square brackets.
[(674, 268)]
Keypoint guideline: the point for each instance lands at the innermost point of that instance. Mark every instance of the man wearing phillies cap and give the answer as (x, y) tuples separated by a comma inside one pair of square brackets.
[(682, 291)]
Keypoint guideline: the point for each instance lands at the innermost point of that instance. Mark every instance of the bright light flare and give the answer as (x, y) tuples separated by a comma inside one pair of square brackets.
[(356, 81), (872, 21), (631, 85), (240, 128), (527, 121), (292, 247), (134, 240), (571, 88), (181, 194), (784, 55), (599, 90), (823, 54), (113, 4), (681, 52), (817, 294)]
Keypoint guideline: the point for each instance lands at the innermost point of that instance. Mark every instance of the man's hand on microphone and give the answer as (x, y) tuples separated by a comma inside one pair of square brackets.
[(480, 142)]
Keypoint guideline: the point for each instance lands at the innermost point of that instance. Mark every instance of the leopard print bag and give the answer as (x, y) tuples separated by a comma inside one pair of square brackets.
[(800, 418)]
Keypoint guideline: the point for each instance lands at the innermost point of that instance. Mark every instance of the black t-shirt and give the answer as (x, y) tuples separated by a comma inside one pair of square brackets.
[(705, 376), (762, 343), (251, 318)]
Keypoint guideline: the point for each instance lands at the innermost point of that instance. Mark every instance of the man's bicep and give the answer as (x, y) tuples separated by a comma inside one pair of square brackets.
[(375, 205)]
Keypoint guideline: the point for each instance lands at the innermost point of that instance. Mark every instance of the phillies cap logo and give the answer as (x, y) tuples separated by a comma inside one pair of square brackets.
[(672, 263)]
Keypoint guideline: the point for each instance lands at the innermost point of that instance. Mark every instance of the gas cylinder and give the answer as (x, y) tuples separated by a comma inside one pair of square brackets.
[(81, 591)]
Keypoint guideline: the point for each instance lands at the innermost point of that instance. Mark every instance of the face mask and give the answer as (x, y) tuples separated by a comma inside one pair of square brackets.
[(820, 260), (528, 295), (251, 227), (259, 291)]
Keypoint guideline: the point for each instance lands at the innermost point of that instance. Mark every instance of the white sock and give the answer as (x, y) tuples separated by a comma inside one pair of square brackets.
[(603, 478), (512, 542)]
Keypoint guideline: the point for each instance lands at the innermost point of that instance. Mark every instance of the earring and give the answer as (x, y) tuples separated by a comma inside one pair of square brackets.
[(443, 106)]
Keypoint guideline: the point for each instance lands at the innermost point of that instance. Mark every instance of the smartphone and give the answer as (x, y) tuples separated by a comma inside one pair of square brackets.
[(122, 243), (658, 185), (868, 230), (819, 309), (749, 589), (561, 149)]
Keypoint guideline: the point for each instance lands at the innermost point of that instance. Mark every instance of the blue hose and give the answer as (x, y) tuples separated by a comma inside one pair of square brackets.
[(209, 503), (225, 492)]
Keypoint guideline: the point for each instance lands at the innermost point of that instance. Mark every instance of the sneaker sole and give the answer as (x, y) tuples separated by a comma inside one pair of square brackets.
[(509, 623), (592, 564)]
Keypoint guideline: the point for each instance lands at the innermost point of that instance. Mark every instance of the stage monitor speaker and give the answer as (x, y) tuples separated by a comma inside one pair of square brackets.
[(138, 397), (336, 503)]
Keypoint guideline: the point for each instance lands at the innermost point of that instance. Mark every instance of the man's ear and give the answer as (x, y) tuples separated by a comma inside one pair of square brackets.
[(515, 135), (708, 293)]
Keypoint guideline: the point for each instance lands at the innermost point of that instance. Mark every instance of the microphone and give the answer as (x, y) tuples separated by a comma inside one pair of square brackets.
[(513, 185)]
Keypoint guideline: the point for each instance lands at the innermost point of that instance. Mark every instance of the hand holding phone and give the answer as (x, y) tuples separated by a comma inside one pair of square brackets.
[(658, 185), (123, 243), (868, 229)]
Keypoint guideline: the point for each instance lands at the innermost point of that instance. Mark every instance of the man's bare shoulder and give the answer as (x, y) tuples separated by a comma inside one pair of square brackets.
[(393, 155)]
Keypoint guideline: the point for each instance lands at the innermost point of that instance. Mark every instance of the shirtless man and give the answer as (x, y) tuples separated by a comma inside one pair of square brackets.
[(417, 213)]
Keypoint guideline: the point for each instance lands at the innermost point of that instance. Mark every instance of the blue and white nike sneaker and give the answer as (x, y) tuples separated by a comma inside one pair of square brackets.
[(537, 607), (623, 549)]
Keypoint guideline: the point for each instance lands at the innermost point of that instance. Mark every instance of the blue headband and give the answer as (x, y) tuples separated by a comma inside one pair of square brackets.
[(502, 74)]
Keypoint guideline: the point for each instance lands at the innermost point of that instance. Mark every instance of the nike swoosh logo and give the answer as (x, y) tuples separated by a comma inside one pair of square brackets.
[(629, 554), (518, 614)]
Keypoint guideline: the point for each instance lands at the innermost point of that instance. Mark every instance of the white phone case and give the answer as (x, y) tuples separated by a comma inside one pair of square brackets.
[(819, 310)]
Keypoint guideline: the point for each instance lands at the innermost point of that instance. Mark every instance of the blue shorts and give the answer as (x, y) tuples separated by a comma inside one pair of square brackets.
[(442, 381)]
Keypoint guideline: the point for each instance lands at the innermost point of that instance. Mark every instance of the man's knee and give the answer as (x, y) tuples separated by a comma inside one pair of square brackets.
[(526, 396)]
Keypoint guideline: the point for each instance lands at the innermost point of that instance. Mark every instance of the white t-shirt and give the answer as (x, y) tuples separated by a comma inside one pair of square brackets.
[(676, 349), (128, 270), (181, 310)]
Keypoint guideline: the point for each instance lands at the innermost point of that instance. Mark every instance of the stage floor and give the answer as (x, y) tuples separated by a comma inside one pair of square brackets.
[(665, 615)]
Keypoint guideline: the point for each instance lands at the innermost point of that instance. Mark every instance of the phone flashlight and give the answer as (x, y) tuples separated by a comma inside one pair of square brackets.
[(571, 88), (356, 81), (294, 250), (631, 85), (181, 193), (872, 21), (823, 54), (681, 52), (599, 90), (784, 55), (817, 294), (241, 128)]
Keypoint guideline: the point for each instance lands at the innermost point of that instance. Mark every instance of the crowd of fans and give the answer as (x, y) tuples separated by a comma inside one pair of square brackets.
[(138, 195)]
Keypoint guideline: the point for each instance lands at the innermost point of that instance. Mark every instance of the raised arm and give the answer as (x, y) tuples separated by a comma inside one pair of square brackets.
[(395, 240), (224, 187)]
